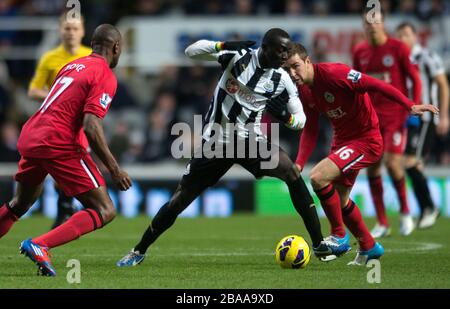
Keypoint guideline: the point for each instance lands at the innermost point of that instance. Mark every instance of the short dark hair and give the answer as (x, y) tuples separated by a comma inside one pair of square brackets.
[(298, 49), (407, 24), (273, 34)]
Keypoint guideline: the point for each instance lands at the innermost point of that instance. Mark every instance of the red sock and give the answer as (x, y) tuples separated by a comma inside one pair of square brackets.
[(331, 203), (354, 221), (376, 188), (7, 219), (400, 187), (81, 223)]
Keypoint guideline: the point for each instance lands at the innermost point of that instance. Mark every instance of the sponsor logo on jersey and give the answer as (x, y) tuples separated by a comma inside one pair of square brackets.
[(337, 113), (232, 86), (354, 76), (105, 100), (329, 97), (269, 86), (388, 60)]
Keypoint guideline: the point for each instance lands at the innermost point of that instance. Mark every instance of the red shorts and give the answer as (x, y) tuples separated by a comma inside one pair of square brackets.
[(75, 174), (355, 155), (395, 136)]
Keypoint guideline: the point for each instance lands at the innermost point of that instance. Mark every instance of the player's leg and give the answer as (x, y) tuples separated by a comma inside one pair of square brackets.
[(419, 142), (395, 166), (302, 200), (382, 228), (23, 199), (200, 174), (29, 178), (353, 219), (322, 177), (65, 208)]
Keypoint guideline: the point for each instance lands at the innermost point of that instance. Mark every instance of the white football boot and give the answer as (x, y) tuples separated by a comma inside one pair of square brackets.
[(428, 218), (406, 225), (380, 231)]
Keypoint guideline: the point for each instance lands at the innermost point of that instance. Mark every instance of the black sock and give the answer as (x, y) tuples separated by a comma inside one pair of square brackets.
[(160, 223), (304, 204), (421, 189)]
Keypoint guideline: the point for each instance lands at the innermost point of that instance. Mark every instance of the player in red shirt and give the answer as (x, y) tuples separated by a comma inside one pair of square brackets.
[(388, 59), (49, 144), (340, 93)]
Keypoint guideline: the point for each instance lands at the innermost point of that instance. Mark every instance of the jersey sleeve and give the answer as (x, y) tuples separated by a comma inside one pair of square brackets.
[(41, 75), (100, 96), (411, 71), (434, 64), (294, 105), (308, 138), (206, 50), (362, 83), (355, 60)]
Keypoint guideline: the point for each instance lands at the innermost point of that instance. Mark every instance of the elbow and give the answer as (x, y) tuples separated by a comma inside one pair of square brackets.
[(89, 129)]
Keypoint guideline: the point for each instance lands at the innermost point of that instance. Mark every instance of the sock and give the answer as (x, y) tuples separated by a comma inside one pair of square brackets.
[(164, 219), (400, 187), (420, 187), (7, 219), (81, 223), (304, 204), (354, 221), (331, 203), (376, 190)]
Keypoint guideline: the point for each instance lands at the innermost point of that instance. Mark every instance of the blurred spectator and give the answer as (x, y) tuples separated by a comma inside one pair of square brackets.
[(7, 9), (321, 8), (407, 7), (150, 7), (8, 143), (294, 7), (244, 7), (157, 135), (119, 142), (206, 7), (43, 7)]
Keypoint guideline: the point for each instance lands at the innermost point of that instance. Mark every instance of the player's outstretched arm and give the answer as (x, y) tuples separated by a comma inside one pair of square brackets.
[(93, 128), (210, 50)]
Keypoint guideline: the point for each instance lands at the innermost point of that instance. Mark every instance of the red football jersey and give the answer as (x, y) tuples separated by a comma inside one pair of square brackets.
[(86, 85), (340, 93), (390, 63)]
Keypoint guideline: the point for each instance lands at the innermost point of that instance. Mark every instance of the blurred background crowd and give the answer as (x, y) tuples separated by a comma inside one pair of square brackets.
[(146, 106)]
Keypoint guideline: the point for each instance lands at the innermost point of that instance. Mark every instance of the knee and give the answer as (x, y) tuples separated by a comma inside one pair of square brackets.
[(317, 179), (108, 212), (394, 168), (292, 174)]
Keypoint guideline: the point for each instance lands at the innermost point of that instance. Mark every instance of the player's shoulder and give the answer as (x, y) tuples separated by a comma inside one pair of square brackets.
[(329, 70), (364, 45), (397, 45), (52, 53)]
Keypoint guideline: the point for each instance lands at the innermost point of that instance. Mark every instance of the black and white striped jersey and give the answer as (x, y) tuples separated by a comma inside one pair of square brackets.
[(430, 65), (243, 91)]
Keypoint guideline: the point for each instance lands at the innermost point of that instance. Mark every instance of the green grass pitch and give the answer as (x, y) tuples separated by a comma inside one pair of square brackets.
[(235, 252)]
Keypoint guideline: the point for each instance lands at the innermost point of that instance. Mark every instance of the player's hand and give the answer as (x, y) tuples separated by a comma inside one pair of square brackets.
[(237, 45), (418, 110), (122, 180), (277, 107), (443, 126)]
